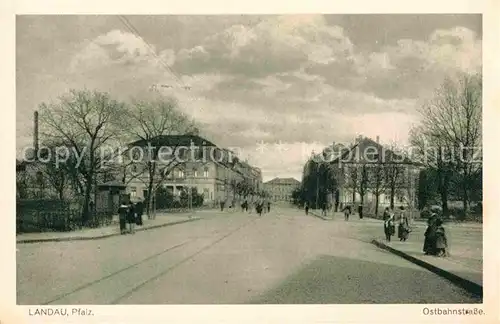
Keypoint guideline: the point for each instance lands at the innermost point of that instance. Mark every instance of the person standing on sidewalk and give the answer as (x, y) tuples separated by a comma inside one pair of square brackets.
[(122, 216), (388, 224), (430, 235), (404, 225), (269, 206), (139, 210), (441, 240), (306, 208), (131, 218)]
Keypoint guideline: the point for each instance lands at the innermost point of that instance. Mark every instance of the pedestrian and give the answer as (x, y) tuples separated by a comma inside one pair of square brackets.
[(347, 212), (222, 203), (139, 210), (306, 207), (244, 206), (404, 225), (268, 206), (430, 235), (323, 209), (388, 218), (360, 211), (122, 217), (441, 241), (131, 217), (259, 207)]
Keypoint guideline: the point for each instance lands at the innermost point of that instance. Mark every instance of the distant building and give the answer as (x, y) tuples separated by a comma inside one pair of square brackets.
[(281, 189)]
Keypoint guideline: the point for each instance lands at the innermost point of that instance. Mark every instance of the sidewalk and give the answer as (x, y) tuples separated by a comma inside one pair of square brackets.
[(161, 220), (464, 265)]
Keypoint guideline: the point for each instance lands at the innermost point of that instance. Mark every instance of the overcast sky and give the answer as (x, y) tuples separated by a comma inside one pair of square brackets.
[(302, 81)]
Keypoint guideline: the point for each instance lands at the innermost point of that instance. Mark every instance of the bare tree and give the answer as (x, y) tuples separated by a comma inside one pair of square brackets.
[(378, 183), (82, 120), (452, 123), (353, 180), (147, 122)]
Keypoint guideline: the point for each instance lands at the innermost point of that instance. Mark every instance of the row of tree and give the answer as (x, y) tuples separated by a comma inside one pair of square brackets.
[(448, 143), (87, 123), (321, 183)]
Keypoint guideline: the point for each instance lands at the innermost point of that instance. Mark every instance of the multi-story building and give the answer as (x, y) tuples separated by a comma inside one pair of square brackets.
[(281, 189), (366, 169), (191, 162)]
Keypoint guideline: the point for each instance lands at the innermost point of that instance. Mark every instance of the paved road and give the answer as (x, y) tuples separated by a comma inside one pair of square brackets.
[(229, 258)]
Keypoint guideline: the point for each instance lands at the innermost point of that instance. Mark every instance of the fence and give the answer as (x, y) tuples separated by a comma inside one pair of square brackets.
[(54, 215)]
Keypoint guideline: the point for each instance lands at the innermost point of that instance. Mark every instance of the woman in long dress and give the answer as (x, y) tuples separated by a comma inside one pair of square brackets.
[(404, 226), (430, 235)]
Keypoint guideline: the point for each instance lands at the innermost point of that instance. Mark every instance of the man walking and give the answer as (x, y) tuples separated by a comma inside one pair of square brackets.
[(122, 214)]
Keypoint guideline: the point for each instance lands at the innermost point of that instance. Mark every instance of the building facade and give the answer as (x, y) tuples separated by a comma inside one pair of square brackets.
[(281, 189), (197, 163), (367, 169)]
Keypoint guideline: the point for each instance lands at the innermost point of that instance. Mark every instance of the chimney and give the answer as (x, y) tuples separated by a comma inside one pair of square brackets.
[(378, 139), (35, 133)]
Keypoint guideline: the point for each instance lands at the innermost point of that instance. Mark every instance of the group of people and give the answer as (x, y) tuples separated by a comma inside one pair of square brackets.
[(436, 242), (131, 214), (390, 219), (260, 206)]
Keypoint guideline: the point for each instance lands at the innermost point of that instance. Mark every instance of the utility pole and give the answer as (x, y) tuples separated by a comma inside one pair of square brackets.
[(317, 185)]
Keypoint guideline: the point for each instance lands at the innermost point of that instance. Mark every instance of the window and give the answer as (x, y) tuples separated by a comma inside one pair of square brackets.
[(195, 173), (181, 173), (133, 191)]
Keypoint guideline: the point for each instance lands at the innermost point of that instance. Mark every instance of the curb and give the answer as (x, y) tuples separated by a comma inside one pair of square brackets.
[(468, 285), (83, 238)]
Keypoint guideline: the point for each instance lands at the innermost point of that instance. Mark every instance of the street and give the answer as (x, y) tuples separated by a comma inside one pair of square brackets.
[(283, 257)]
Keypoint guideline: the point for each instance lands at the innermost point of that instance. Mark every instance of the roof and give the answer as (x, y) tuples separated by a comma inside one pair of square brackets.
[(174, 140), (279, 181), (358, 153)]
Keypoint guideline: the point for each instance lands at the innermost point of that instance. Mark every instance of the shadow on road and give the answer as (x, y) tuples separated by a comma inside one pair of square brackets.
[(337, 280)]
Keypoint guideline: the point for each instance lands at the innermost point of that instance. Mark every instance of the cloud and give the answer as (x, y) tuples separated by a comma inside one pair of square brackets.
[(119, 48), (277, 44), (293, 79), (410, 68)]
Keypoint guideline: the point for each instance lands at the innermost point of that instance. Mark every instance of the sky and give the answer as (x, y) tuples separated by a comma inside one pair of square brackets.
[(273, 88)]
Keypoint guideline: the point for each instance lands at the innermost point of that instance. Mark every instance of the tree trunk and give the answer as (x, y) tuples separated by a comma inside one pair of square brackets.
[(86, 200), (393, 193), (465, 200), (376, 203)]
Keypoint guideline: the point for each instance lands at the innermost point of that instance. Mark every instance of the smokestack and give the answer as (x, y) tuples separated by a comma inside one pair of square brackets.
[(378, 139), (35, 133)]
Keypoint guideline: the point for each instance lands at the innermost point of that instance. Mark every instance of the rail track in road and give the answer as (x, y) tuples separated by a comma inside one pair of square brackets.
[(137, 269)]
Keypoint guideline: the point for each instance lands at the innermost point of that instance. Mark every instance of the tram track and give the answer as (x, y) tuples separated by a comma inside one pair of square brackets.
[(125, 281)]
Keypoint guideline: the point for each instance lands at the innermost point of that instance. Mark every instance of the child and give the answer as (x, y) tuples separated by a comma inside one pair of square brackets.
[(441, 240), (388, 224)]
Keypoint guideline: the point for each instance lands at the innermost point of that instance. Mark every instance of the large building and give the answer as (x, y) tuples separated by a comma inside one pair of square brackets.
[(281, 189), (366, 169), (192, 162)]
